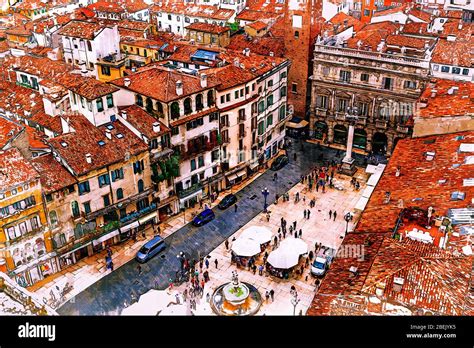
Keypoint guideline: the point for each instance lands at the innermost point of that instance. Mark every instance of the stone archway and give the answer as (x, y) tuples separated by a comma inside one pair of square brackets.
[(379, 143), (340, 134), (360, 139)]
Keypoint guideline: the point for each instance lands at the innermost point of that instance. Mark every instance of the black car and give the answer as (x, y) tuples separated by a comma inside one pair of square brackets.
[(279, 162), (227, 201)]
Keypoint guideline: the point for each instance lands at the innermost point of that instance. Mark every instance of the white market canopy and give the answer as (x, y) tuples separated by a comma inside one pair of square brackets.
[(246, 247), (150, 303), (295, 245), (283, 259), (259, 234)]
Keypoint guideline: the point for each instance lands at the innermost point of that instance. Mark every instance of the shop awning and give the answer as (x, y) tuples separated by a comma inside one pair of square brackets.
[(75, 249), (232, 177), (361, 203), (241, 173), (105, 237), (147, 218), (195, 194), (128, 227), (297, 123)]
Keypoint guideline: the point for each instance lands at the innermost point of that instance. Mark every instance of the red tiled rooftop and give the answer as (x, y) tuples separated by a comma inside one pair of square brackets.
[(257, 25), (407, 41), (419, 180), (21, 101), (457, 53), (14, 169), (371, 35), (81, 29), (143, 121), (53, 175), (207, 28), (259, 45), (441, 98), (87, 87), (8, 130)]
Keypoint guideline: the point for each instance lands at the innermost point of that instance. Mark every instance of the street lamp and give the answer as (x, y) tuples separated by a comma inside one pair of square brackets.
[(347, 217), (265, 194), (184, 216), (294, 301)]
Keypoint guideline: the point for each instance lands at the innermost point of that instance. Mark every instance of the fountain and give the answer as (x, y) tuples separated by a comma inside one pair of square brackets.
[(236, 298)]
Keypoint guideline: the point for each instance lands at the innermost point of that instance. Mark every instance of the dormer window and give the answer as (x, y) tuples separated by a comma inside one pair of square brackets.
[(430, 155), (458, 196)]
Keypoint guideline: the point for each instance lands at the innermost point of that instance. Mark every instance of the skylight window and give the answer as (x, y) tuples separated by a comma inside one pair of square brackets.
[(63, 144), (101, 143), (119, 135), (110, 127), (457, 196)]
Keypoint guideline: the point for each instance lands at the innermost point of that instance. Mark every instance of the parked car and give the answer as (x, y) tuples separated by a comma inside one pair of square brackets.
[(322, 261), (203, 217), (227, 201), (279, 162), (150, 249)]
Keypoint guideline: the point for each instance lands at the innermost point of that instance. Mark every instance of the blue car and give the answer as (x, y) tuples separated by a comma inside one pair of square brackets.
[(203, 217), (150, 249)]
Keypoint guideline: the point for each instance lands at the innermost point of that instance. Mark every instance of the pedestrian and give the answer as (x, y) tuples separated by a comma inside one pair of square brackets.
[(177, 299), (296, 234), (143, 234), (139, 269), (275, 240), (111, 266), (279, 236), (235, 208), (268, 217), (291, 229), (311, 255), (294, 156), (109, 251), (335, 214), (200, 203), (185, 295), (308, 213), (284, 233), (159, 230), (267, 295), (216, 262), (208, 297), (272, 294), (294, 225), (260, 270), (304, 213), (301, 233), (201, 262), (254, 269), (330, 214), (227, 244), (207, 263), (206, 276)]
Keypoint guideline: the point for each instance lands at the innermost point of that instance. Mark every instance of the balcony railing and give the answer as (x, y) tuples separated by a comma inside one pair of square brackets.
[(189, 191), (340, 116), (384, 57)]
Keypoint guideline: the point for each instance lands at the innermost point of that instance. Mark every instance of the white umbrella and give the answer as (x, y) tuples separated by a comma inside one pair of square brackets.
[(246, 247), (258, 233), (296, 245), (180, 309), (282, 259)]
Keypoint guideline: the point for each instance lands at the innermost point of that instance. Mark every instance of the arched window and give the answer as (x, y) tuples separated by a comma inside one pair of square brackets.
[(75, 209), (149, 105), (139, 100), (159, 108), (53, 219), (39, 247), (119, 193), (210, 98), (199, 102), (175, 110), (187, 106), (140, 185)]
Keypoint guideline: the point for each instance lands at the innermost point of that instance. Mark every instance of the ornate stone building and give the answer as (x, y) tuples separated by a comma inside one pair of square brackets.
[(384, 88)]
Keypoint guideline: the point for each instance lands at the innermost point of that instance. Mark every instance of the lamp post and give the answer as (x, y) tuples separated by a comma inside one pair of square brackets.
[(294, 301), (347, 217), (351, 117), (265, 194)]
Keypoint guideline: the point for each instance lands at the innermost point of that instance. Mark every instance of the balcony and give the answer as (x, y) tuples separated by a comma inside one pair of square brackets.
[(383, 57), (319, 111), (194, 150), (382, 124), (189, 191)]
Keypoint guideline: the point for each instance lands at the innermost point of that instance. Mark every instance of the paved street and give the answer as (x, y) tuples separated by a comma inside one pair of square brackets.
[(113, 292)]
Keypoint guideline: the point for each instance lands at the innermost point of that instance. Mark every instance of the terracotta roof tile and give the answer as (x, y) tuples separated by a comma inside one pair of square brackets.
[(446, 98), (371, 35), (203, 11), (14, 169), (53, 175), (8, 130), (257, 25), (457, 53), (207, 28), (87, 87), (81, 29), (252, 15), (143, 121), (22, 101)]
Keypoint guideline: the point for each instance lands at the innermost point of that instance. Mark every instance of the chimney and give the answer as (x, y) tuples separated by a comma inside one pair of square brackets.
[(124, 114), (203, 80), (247, 51), (126, 82), (156, 127), (272, 54), (460, 25), (65, 125), (88, 158), (398, 284), (179, 87), (108, 134), (55, 21), (433, 93), (236, 62)]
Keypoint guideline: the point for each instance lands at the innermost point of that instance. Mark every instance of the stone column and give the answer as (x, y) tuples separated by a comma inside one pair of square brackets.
[(350, 141)]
